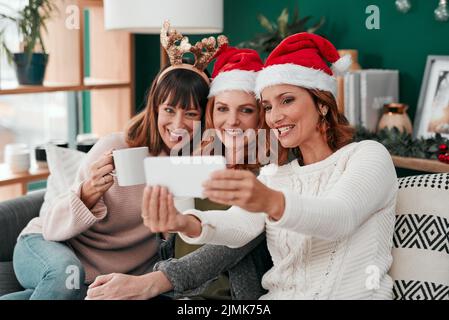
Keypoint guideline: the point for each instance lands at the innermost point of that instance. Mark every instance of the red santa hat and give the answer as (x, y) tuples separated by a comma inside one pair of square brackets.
[(302, 60), (235, 69)]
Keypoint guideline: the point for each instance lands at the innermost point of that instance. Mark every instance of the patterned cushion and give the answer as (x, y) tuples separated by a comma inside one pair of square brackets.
[(420, 267)]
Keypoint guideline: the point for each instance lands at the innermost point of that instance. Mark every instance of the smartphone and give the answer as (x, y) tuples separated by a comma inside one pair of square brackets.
[(183, 176)]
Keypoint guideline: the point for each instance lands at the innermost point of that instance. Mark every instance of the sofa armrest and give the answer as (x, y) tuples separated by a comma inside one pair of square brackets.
[(14, 216)]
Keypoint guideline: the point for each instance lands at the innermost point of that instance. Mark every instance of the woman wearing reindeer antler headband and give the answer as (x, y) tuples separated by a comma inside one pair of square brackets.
[(101, 221)]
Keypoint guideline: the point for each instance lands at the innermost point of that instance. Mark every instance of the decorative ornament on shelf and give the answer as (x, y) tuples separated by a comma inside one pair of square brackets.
[(443, 153), (395, 115), (403, 6), (441, 12)]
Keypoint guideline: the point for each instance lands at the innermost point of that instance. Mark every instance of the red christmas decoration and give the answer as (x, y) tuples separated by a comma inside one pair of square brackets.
[(444, 155), (443, 147)]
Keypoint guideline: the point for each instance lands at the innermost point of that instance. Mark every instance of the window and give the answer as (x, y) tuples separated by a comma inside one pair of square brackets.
[(88, 86), (33, 118)]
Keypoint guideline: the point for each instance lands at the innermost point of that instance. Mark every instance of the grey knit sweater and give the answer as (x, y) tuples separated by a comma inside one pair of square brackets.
[(191, 274)]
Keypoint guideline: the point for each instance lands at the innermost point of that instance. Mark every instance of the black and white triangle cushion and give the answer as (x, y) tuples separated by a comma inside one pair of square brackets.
[(420, 267)]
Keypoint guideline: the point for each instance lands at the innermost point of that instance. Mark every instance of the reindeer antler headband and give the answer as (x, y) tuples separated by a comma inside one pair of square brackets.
[(203, 51)]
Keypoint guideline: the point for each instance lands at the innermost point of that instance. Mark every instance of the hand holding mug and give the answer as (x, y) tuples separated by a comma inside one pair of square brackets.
[(99, 181)]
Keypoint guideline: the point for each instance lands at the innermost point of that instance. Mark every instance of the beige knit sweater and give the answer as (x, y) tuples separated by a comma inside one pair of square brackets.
[(111, 237), (335, 238)]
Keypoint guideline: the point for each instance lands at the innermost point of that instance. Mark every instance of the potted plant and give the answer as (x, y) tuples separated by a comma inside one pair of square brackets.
[(31, 61), (277, 31)]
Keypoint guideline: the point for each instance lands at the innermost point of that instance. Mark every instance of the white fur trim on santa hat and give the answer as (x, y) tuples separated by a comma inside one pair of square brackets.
[(233, 80), (342, 65), (297, 75)]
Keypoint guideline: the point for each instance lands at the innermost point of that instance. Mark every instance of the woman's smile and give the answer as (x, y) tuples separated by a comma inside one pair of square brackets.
[(284, 130), (177, 135), (234, 132)]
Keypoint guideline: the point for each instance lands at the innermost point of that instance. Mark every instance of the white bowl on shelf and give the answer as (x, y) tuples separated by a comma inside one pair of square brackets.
[(13, 148), (20, 163), (17, 157)]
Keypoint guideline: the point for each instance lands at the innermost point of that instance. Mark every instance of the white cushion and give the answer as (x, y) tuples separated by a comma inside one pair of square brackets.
[(63, 165), (420, 267)]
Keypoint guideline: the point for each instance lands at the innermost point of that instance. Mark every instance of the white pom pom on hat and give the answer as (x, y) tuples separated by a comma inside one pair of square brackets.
[(342, 65)]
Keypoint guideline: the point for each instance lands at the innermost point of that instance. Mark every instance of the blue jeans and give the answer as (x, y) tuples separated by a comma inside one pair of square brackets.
[(47, 270)]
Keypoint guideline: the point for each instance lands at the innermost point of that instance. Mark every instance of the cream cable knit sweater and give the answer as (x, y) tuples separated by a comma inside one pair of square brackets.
[(334, 240)]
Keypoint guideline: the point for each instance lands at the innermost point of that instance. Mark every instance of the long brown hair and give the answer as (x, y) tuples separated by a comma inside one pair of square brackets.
[(334, 126), (181, 87), (209, 124)]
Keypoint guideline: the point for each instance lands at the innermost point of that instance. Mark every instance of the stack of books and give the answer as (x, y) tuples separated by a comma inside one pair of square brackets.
[(365, 94)]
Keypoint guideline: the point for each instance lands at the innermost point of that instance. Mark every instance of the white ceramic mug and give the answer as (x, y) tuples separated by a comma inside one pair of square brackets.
[(129, 168)]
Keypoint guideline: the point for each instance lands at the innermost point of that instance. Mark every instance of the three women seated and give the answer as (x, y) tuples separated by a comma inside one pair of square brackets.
[(305, 226)]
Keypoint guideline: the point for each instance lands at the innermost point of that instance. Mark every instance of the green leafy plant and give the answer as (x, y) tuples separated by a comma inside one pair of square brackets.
[(30, 21), (402, 144), (277, 31)]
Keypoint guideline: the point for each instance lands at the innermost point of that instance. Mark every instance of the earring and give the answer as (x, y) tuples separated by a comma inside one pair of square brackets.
[(324, 111), (322, 124)]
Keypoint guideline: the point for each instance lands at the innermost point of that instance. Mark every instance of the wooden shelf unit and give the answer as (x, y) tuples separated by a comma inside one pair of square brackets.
[(87, 58), (60, 87), (425, 165), (16, 184), (34, 174)]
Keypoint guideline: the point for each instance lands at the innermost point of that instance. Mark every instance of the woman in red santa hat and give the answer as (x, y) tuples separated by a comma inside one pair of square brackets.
[(234, 120), (329, 213)]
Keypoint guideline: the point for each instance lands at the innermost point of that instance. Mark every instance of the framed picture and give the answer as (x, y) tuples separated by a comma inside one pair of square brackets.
[(432, 115)]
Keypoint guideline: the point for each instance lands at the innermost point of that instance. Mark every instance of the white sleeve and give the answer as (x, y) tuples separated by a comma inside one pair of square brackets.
[(184, 203), (367, 185), (234, 227)]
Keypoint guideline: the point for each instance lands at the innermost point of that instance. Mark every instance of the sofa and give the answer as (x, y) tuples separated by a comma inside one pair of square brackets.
[(14, 216), (420, 268)]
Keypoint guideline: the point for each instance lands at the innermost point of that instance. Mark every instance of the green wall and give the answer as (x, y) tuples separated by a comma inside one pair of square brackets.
[(403, 42), (146, 65)]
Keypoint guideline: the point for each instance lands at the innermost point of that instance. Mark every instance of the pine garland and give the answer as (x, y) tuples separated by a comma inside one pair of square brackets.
[(403, 144)]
